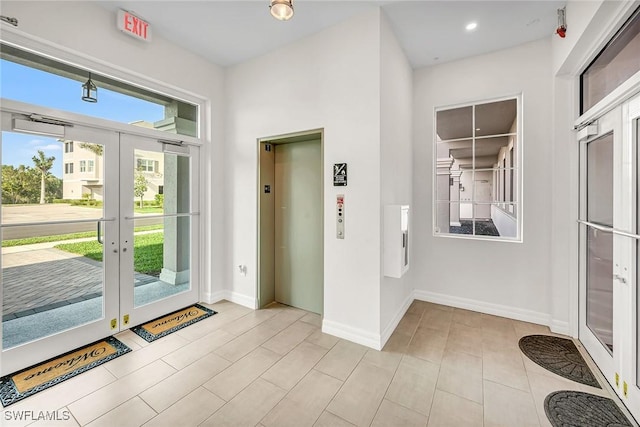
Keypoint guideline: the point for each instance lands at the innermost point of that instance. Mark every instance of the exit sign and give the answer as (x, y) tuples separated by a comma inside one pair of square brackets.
[(134, 26)]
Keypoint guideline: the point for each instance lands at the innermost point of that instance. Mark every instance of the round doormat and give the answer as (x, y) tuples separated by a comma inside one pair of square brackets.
[(575, 408), (558, 355)]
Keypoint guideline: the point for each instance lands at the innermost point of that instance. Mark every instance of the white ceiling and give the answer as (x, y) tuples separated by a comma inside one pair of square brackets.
[(230, 32)]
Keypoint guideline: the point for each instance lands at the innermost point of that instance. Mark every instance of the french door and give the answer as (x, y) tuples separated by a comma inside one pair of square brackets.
[(609, 322), (121, 248)]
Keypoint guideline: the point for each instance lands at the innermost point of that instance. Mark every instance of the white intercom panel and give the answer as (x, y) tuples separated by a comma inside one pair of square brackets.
[(340, 216)]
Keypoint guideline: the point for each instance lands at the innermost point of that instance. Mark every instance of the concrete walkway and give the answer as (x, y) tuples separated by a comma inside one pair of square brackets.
[(38, 278)]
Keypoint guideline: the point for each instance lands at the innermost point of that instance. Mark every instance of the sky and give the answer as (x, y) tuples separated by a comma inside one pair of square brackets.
[(37, 87)]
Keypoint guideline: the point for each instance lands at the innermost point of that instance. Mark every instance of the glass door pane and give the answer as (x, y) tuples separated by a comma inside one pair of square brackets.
[(599, 245), (55, 226), (161, 243), (159, 228)]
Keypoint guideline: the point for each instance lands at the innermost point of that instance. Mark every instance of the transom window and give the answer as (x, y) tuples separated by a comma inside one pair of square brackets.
[(477, 173)]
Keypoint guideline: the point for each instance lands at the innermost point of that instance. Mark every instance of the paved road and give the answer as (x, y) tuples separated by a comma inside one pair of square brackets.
[(53, 212)]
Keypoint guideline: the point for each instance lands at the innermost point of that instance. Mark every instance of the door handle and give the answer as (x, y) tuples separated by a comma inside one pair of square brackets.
[(620, 279), (100, 232)]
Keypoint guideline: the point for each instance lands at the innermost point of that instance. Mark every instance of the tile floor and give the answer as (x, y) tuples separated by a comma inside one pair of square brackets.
[(274, 367)]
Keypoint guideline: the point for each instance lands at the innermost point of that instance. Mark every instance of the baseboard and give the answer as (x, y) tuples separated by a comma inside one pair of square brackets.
[(349, 333), (241, 299), (486, 307), (213, 297), (560, 327), (386, 333), (234, 297)]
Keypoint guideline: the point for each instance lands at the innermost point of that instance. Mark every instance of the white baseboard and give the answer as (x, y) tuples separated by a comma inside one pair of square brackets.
[(231, 296), (388, 330), (488, 308), (560, 327), (352, 334)]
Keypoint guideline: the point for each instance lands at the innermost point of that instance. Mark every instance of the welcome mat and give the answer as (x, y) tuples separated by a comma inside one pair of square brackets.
[(15, 387), (558, 355), (576, 408), (170, 323)]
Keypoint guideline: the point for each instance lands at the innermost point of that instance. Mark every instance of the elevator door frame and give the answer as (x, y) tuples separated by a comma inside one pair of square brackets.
[(263, 256)]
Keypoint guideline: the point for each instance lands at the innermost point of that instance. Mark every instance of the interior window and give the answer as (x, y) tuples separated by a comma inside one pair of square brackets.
[(477, 170)]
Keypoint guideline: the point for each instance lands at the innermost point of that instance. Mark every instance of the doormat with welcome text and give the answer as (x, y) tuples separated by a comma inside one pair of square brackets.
[(15, 387), (170, 323)]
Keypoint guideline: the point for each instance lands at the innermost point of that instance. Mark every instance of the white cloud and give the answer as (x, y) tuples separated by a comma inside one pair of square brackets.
[(49, 147)]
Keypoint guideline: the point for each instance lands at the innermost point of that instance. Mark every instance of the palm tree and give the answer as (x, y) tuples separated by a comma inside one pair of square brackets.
[(44, 165)]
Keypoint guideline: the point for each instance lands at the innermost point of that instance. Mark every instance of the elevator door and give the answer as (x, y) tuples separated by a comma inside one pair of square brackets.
[(298, 225)]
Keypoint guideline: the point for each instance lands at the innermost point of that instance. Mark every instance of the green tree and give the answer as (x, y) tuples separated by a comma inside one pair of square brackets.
[(44, 165), (19, 184), (96, 149), (140, 186), (54, 188)]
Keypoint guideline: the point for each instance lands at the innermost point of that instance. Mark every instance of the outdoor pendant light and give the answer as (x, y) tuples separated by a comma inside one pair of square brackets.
[(89, 91), (281, 9)]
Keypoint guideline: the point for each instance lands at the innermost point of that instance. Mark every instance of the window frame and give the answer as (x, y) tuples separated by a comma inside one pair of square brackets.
[(499, 187)]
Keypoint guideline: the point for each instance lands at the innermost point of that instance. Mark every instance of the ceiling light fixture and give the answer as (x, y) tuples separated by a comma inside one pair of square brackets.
[(282, 10), (471, 26), (89, 91)]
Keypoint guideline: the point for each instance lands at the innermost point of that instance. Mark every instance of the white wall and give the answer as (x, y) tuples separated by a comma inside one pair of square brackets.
[(65, 25), (330, 80), (521, 289), (395, 163)]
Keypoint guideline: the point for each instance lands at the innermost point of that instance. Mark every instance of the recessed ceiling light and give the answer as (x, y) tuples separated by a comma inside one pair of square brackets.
[(471, 26)]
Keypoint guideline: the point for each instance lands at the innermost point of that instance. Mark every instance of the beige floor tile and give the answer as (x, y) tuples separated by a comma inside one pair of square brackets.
[(191, 410), (312, 318), (287, 340), (341, 359), (392, 414), (236, 377), (225, 317), (248, 321), (409, 323), (62, 418), (525, 328), (417, 307), (134, 412), (249, 406), (170, 390), (414, 384), (116, 393), (323, 340), (131, 339), (506, 406), (461, 374), (197, 349), (428, 346), (124, 365), (304, 404), (327, 419), (386, 361), (397, 343), (61, 395), (247, 342), (436, 319), (449, 410), (468, 318), (294, 366), (542, 386), (359, 398), (505, 374), (464, 339)]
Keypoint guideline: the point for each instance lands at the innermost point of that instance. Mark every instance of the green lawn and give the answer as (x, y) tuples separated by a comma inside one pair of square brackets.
[(147, 256), (71, 236)]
